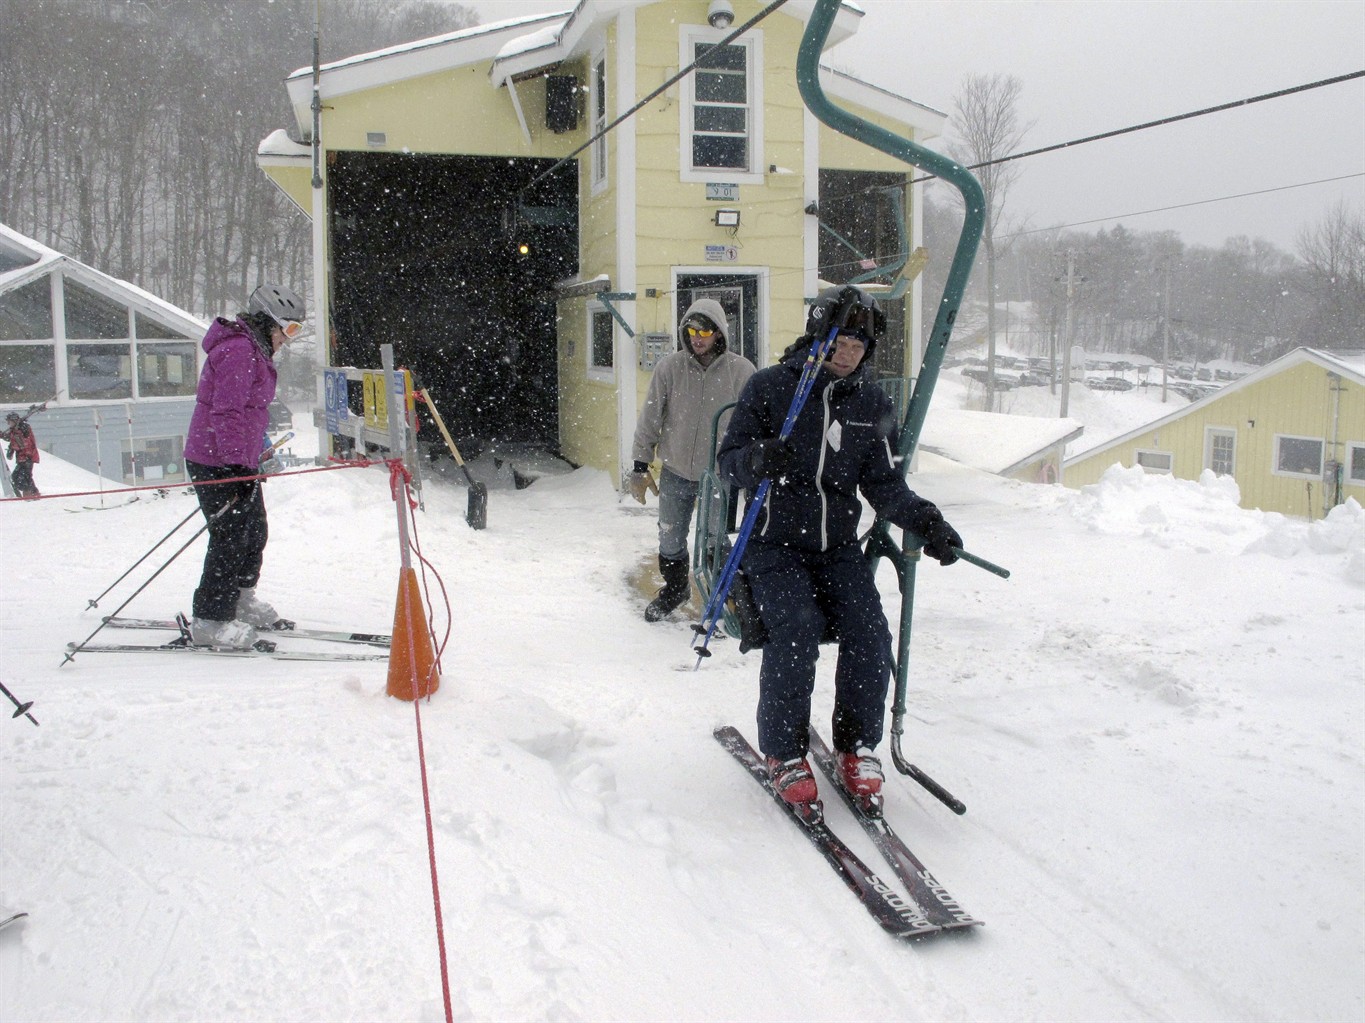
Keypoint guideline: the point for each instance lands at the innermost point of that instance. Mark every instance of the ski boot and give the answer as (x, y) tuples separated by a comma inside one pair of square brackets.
[(860, 775), (794, 781)]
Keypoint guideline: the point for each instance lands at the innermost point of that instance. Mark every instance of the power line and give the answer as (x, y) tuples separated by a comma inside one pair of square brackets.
[(1185, 205)]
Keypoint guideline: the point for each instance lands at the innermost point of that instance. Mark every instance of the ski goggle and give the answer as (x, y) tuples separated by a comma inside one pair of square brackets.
[(862, 324), (290, 328)]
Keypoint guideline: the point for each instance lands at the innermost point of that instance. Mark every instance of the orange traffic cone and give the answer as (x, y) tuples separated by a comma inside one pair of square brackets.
[(412, 662)]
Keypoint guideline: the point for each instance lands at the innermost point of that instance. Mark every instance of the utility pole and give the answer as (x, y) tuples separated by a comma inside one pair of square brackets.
[(1166, 328), (1070, 322)]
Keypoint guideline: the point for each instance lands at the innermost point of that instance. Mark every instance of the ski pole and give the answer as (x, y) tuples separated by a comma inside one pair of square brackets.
[(96, 602), (21, 708), (183, 547), (815, 359)]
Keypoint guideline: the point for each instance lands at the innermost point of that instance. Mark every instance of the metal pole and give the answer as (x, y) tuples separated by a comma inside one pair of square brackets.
[(1070, 324), (395, 390), (1166, 330)]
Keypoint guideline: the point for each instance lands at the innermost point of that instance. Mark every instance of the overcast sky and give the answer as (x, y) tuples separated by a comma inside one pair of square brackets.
[(1090, 66)]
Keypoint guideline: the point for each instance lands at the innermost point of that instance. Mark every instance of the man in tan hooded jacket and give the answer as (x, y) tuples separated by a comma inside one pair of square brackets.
[(688, 388)]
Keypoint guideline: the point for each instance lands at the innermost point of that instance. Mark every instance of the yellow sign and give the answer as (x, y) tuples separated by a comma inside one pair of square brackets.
[(377, 396)]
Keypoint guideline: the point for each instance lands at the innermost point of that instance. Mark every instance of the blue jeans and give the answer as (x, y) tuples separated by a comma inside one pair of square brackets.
[(677, 500), (800, 594)]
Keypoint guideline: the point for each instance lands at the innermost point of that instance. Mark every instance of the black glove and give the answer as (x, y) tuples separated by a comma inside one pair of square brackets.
[(939, 537), (771, 457)]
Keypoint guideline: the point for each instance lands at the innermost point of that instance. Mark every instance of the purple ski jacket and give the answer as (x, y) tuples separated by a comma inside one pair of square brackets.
[(238, 382)]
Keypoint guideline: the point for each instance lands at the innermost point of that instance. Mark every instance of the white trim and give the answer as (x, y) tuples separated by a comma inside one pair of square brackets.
[(1211, 431), (1275, 469), (810, 233), (594, 372), (1169, 456), (599, 153), (1351, 448), (752, 43), (627, 272)]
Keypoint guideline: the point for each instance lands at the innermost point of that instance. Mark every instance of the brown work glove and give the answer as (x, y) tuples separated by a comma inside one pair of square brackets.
[(639, 481)]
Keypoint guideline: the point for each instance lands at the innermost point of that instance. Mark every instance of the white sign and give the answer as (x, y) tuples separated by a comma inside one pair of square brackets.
[(722, 253), (720, 191)]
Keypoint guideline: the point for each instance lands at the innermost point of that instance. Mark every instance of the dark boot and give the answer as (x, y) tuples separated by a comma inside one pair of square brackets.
[(677, 588)]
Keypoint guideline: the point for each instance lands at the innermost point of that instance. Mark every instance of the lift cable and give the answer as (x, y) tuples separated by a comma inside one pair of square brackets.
[(699, 62)]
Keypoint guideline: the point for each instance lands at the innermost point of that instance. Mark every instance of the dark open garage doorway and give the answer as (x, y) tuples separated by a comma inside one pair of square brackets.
[(446, 259)]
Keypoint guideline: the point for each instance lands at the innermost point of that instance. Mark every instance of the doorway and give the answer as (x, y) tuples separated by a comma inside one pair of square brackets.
[(737, 294)]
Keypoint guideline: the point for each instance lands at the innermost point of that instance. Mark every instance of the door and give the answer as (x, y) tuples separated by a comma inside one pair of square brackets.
[(737, 294)]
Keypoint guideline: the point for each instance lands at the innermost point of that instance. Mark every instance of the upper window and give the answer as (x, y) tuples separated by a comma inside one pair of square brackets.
[(1155, 461), (91, 316), (26, 312), (1220, 451), (722, 130), (1298, 456), (599, 121)]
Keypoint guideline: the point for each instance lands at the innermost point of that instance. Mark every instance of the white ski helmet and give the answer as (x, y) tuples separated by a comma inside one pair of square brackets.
[(277, 302)]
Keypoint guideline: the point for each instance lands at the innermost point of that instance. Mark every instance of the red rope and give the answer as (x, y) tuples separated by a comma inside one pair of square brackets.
[(356, 464)]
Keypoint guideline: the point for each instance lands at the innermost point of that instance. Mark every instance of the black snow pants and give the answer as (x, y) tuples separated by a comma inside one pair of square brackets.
[(236, 540), (802, 595)]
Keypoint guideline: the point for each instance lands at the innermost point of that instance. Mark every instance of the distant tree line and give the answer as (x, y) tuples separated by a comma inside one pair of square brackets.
[(1248, 301), (129, 128)]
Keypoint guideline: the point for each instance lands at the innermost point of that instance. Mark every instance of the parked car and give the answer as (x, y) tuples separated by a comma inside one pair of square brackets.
[(1108, 384), (278, 417), (1032, 379)]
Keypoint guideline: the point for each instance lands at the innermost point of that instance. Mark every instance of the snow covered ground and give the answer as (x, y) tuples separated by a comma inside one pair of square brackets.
[(1156, 724)]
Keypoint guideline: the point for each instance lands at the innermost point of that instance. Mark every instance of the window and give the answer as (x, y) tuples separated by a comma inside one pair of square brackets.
[(166, 370), (26, 312), (154, 460), (1298, 456), (1355, 464), (1220, 451), (28, 373), (1155, 461), (601, 343), (721, 112), (99, 371), (89, 315), (599, 121), (148, 328)]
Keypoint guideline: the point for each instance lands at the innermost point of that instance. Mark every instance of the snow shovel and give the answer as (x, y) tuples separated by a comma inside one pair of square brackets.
[(477, 513)]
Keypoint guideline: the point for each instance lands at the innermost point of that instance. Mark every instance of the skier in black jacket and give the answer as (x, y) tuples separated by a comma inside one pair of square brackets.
[(803, 561)]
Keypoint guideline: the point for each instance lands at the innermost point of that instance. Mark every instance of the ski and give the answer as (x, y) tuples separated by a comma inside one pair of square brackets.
[(940, 908), (283, 627), (895, 914), (263, 648), (12, 918)]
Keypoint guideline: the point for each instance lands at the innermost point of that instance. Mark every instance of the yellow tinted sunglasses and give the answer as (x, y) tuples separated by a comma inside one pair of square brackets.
[(699, 332)]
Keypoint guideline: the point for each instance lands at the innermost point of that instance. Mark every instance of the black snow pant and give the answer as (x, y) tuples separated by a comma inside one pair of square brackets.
[(22, 478), (801, 595), (236, 540)]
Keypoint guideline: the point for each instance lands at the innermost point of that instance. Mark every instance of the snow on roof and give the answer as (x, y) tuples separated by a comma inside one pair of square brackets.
[(993, 441)]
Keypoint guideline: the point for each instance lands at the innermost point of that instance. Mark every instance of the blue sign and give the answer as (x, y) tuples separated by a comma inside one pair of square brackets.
[(335, 401)]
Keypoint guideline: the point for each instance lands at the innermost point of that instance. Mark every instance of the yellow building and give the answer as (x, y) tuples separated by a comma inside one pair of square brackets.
[(1292, 434), (531, 269)]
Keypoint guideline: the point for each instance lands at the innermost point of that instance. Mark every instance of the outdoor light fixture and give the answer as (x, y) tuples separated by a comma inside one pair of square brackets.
[(720, 14), (727, 218)]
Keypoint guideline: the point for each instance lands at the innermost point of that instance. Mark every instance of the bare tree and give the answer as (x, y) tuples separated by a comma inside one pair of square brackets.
[(987, 127), (1334, 250)]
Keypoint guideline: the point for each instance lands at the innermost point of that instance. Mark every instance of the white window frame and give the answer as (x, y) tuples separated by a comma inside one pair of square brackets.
[(1351, 448), (1212, 432), (1153, 452), (1275, 469), (604, 374), (689, 37), (597, 105)]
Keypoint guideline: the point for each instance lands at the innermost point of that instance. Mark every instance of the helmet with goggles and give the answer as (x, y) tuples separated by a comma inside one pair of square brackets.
[(855, 310), (281, 305)]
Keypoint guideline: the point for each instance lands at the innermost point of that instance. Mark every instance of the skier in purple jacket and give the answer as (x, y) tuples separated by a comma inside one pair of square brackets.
[(226, 438)]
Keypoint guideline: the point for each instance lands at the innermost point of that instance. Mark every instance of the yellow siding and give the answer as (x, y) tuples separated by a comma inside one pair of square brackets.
[(587, 408), (1298, 401)]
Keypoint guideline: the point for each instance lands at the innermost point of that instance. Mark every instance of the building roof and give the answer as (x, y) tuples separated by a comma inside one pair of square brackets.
[(521, 46), (994, 441), (1350, 367), (23, 259)]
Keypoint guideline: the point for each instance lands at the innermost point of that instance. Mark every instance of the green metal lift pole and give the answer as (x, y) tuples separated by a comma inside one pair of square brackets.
[(879, 544)]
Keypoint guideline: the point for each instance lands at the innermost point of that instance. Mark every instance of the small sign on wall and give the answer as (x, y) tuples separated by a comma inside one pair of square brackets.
[(722, 191), (653, 347), (722, 253)]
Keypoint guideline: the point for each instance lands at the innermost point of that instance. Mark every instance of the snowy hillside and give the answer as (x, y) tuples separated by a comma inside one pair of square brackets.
[(1156, 725)]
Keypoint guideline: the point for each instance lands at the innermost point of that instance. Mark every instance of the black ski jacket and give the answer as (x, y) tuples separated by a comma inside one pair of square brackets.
[(842, 442)]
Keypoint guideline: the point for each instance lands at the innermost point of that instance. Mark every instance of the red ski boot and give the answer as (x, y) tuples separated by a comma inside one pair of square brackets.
[(795, 783), (860, 775)]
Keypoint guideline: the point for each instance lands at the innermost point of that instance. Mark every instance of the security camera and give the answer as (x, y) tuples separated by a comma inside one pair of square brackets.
[(720, 14)]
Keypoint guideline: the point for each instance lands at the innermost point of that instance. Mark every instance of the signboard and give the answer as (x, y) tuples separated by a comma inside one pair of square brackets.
[(722, 253), (334, 399), (720, 191)]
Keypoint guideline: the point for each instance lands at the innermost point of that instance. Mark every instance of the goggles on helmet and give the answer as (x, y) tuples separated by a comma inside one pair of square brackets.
[(290, 328)]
